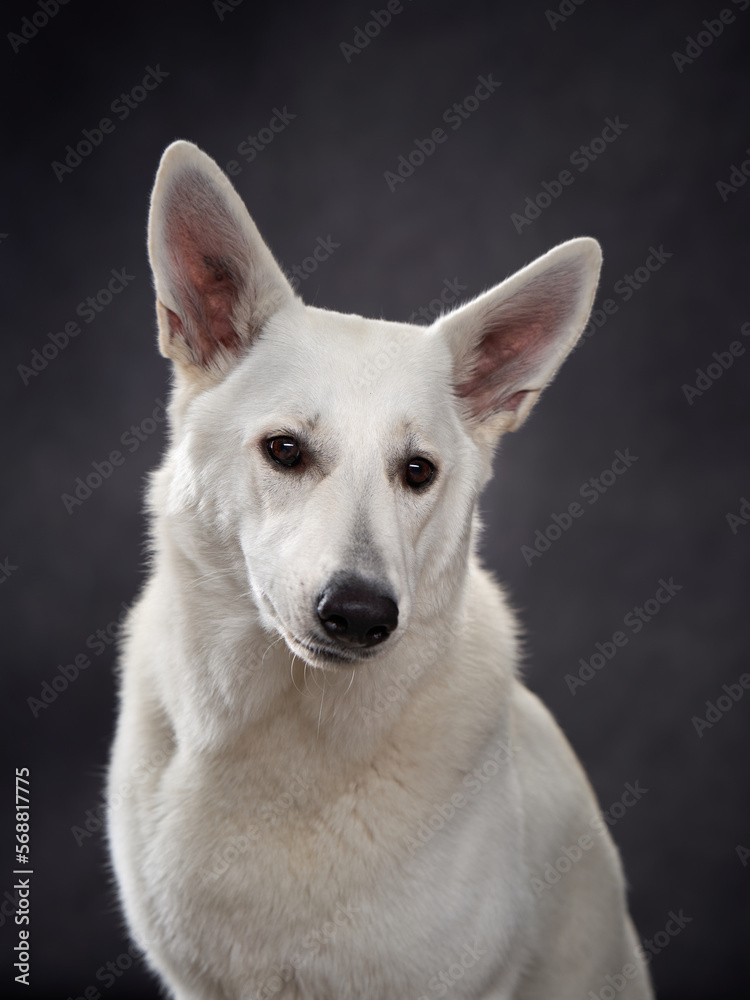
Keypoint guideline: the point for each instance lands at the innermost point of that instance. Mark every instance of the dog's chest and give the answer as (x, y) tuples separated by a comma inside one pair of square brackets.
[(292, 878)]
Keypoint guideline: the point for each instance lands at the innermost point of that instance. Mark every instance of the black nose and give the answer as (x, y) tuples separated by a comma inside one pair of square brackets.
[(356, 613)]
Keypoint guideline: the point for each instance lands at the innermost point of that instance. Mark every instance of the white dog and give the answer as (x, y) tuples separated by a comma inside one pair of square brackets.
[(328, 781)]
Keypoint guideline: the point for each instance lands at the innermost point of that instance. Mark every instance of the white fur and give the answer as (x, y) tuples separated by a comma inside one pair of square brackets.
[(267, 805)]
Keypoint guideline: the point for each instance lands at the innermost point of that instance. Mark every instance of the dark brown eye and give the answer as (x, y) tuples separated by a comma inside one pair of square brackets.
[(419, 472), (285, 450)]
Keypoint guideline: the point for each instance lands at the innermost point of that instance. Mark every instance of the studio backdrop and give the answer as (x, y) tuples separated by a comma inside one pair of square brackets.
[(399, 157)]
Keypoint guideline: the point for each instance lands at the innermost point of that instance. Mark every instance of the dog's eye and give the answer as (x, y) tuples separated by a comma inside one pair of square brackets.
[(284, 449), (419, 472)]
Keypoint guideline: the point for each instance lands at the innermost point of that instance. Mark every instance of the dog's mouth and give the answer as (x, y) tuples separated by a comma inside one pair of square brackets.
[(321, 655)]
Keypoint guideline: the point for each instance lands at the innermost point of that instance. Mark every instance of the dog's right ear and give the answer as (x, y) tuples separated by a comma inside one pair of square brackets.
[(217, 282), (509, 342)]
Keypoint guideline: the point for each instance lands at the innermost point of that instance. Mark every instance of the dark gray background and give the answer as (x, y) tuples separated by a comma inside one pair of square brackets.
[(324, 176)]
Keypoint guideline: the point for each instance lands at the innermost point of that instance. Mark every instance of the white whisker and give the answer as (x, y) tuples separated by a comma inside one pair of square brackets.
[(291, 671), (269, 646), (304, 676), (314, 675), (320, 713), (351, 681)]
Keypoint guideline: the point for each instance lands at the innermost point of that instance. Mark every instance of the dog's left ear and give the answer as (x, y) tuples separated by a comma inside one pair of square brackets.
[(217, 282), (508, 343)]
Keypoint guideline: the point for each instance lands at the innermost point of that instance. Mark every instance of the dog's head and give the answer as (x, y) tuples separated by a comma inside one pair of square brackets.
[(330, 462)]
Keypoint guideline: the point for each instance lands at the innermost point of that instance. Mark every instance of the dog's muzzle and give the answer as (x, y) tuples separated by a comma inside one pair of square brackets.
[(357, 613)]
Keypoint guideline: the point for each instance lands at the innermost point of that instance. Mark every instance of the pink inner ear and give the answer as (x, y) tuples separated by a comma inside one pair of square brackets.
[(206, 280), (212, 291), (514, 349), (504, 357)]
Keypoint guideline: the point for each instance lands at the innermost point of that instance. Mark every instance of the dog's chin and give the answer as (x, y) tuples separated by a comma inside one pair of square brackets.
[(326, 657)]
